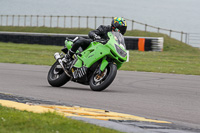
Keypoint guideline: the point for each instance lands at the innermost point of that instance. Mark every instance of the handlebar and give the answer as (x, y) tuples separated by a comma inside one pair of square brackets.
[(69, 39), (103, 41), (72, 40)]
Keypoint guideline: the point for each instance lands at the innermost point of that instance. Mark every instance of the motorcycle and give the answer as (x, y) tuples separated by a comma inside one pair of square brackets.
[(95, 66)]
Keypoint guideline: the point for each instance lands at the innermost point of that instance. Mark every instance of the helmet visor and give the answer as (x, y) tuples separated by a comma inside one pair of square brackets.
[(122, 29)]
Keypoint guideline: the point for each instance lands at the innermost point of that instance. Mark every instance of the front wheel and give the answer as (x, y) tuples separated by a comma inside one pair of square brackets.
[(99, 82), (56, 76)]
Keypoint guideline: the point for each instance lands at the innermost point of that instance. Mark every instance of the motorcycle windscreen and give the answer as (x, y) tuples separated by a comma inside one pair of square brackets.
[(119, 39)]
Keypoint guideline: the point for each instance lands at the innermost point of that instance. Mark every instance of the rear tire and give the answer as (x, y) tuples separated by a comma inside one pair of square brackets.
[(56, 75), (105, 80)]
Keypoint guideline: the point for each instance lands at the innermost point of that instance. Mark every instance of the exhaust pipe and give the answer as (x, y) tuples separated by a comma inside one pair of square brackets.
[(58, 58)]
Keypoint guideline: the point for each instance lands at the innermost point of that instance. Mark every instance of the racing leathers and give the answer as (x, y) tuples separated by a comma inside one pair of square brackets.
[(99, 33)]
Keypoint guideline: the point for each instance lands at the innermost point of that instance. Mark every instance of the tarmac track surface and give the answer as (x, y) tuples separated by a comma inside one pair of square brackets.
[(171, 97)]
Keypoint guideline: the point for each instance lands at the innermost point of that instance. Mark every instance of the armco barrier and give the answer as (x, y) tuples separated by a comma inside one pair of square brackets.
[(132, 43)]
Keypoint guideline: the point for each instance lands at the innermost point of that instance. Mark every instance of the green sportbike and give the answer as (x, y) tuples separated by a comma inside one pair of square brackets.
[(95, 66)]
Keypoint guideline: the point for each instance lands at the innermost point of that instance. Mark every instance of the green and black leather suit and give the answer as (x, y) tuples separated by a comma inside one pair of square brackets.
[(99, 33)]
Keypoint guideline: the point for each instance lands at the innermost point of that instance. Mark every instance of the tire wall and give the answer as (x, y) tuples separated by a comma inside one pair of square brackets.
[(132, 43)]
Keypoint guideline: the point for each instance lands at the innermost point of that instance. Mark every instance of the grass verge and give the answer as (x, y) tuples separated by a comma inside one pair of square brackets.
[(174, 61), (46, 30), (15, 121), (177, 57), (169, 43)]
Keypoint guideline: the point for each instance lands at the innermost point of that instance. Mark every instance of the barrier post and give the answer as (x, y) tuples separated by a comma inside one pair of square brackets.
[(132, 24), (37, 20), (158, 30), (145, 27), (64, 21), (79, 23), (1, 20), (31, 20), (24, 20), (186, 36), (18, 19), (44, 20), (95, 21), (58, 21), (6, 20), (13, 20), (181, 36), (87, 21), (71, 21), (51, 21), (170, 33)]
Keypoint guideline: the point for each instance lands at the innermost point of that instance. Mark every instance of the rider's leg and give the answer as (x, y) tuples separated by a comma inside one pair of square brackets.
[(81, 42)]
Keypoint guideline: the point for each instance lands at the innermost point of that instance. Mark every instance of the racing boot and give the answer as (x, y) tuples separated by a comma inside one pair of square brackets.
[(69, 58), (70, 54)]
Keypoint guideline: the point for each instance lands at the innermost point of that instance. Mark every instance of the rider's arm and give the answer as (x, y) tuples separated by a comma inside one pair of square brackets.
[(96, 33)]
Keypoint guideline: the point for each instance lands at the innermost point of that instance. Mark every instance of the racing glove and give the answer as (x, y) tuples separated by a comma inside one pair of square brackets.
[(96, 37)]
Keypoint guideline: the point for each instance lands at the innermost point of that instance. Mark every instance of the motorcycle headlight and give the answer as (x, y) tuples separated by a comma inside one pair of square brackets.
[(120, 51)]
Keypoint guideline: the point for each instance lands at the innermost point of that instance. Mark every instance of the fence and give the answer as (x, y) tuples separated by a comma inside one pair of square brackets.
[(82, 22)]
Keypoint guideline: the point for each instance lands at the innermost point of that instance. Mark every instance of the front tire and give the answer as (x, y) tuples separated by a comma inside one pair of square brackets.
[(101, 82), (56, 76)]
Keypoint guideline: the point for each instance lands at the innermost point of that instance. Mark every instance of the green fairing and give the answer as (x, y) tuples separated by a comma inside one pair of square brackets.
[(68, 44), (92, 54), (103, 64), (97, 51)]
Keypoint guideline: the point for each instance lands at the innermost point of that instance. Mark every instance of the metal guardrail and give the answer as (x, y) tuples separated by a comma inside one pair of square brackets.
[(82, 22)]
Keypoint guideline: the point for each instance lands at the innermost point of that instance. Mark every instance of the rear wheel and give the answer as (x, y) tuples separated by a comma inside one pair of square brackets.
[(99, 82), (56, 76)]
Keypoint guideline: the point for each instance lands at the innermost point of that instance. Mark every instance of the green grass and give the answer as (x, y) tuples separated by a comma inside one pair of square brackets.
[(15, 121), (169, 43), (177, 57), (28, 54), (164, 62), (175, 61), (46, 30)]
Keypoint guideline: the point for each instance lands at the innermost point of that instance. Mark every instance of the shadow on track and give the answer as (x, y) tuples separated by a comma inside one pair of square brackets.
[(85, 89)]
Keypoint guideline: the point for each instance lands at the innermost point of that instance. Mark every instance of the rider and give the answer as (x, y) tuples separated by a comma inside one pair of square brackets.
[(117, 24)]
